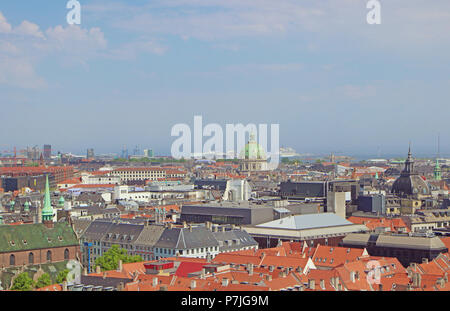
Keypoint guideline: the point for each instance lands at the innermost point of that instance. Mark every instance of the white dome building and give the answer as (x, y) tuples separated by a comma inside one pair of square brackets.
[(252, 157)]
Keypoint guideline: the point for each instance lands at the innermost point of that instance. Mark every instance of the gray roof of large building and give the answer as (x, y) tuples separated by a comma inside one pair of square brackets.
[(310, 221), (150, 235), (80, 226), (433, 243), (397, 241), (122, 233), (245, 239), (184, 238)]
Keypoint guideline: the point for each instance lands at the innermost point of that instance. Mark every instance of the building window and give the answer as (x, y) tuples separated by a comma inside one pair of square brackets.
[(12, 260), (66, 254), (49, 256), (31, 258)]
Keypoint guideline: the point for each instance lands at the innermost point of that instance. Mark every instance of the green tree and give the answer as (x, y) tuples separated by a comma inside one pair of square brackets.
[(23, 282), (62, 276), (44, 280), (110, 260)]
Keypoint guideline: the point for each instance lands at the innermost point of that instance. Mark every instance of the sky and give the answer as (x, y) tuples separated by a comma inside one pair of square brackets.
[(133, 69)]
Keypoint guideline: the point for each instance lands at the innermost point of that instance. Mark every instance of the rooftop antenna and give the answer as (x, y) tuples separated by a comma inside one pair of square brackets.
[(439, 146)]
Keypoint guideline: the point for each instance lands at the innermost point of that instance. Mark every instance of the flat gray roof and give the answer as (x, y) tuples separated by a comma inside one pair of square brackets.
[(309, 221)]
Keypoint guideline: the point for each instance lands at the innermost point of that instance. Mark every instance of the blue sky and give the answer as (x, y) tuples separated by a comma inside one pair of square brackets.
[(134, 69)]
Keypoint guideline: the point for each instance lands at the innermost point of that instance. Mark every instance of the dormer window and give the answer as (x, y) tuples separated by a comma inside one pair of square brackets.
[(49, 240), (12, 243), (60, 238), (24, 242)]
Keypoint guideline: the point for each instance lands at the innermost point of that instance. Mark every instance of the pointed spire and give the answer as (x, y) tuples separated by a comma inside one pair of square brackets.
[(437, 171), (409, 163), (47, 211), (409, 151)]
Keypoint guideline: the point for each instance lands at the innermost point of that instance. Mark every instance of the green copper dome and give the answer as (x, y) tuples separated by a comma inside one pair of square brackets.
[(253, 151), (61, 201)]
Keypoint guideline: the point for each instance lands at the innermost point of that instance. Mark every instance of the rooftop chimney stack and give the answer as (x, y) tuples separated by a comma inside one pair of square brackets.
[(193, 284), (225, 282), (120, 268)]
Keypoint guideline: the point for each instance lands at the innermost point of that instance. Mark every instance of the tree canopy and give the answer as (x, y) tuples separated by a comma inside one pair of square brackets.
[(23, 282), (110, 260), (44, 280), (62, 276)]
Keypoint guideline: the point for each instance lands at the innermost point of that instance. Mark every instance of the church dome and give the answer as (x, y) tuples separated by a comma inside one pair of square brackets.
[(253, 150), (409, 182)]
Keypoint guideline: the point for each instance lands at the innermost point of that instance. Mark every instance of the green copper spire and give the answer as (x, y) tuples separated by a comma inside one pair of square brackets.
[(376, 175), (47, 211), (437, 171), (26, 206)]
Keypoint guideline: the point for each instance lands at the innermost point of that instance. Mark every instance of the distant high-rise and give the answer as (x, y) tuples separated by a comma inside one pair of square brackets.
[(90, 153), (148, 153), (47, 152)]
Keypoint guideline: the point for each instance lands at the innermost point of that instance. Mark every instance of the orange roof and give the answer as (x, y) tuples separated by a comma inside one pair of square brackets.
[(329, 256), (75, 180), (50, 288)]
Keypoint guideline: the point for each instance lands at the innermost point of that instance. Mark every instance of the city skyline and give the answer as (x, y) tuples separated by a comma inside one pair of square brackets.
[(332, 86)]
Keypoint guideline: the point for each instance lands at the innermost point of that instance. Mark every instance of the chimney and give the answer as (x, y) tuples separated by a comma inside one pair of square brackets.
[(98, 269), (120, 286), (352, 276), (120, 267), (269, 277), (250, 269), (223, 229), (441, 282), (417, 279), (190, 228), (85, 271), (208, 225), (185, 224), (193, 284), (203, 274), (155, 282), (312, 284), (64, 286), (225, 282)]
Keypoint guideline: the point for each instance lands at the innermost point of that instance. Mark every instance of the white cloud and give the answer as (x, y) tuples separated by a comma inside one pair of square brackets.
[(19, 72), (75, 39), (132, 49), (24, 46), (29, 29), (4, 26)]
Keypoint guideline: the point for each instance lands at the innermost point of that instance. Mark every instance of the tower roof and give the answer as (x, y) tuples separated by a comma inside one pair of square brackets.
[(409, 182), (47, 211)]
